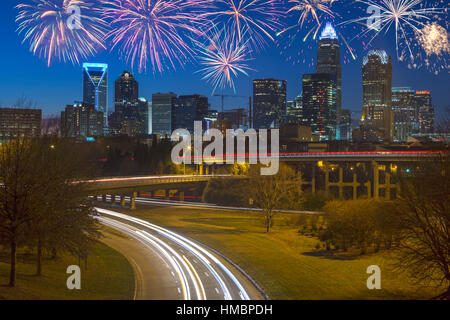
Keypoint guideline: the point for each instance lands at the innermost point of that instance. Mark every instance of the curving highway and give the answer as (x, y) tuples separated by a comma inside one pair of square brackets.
[(195, 273)]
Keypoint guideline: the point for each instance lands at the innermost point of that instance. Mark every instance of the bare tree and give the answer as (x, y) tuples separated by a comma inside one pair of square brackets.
[(424, 217), (280, 191)]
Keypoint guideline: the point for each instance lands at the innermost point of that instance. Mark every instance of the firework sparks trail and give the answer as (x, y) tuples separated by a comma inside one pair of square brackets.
[(256, 19), (406, 17), (46, 27), (311, 10), (154, 30), (434, 39), (223, 57)]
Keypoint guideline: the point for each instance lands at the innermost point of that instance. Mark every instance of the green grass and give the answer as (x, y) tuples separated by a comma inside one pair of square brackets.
[(108, 276), (286, 264)]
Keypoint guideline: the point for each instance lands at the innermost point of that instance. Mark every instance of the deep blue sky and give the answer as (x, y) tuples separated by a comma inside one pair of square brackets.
[(52, 88)]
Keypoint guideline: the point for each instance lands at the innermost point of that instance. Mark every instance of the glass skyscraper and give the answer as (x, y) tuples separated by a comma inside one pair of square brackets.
[(425, 109), (329, 60), (269, 103), (95, 87), (162, 112), (377, 122), (319, 102)]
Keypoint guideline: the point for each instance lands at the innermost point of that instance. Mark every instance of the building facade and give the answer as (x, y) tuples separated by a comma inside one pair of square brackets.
[(329, 60), (377, 119), (95, 88), (19, 123), (162, 112), (81, 121), (269, 103), (319, 104), (404, 112), (189, 108), (425, 110)]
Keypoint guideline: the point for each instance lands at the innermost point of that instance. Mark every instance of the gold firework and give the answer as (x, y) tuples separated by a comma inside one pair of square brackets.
[(434, 39)]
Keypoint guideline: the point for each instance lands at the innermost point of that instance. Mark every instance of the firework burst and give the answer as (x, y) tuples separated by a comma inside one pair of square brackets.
[(311, 10), (405, 17), (256, 19), (49, 29), (152, 30), (223, 57), (434, 39)]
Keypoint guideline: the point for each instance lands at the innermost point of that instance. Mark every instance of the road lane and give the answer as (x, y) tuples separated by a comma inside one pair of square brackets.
[(199, 274)]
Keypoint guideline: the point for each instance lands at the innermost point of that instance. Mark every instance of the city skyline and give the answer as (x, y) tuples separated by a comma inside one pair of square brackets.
[(52, 88)]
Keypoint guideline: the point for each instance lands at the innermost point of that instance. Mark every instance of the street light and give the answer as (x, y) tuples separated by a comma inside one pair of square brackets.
[(184, 159)]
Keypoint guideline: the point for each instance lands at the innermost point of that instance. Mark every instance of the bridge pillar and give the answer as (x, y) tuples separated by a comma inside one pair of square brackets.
[(355, 187), (313, 180), (368, 185), (376, 180), (206, 169), (113, 199), (327, 178), (122, 200), (133, 201), (104, 197), (341, 183)]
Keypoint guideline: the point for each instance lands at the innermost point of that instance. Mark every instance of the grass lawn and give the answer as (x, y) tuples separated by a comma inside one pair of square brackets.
[(286, 264), (108, 276)]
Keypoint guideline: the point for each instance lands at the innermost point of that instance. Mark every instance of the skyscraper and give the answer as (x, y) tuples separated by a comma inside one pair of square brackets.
[(162, 112), (319, 102), (81, 120), (404, 112), (18, 123), (269, 103), (130, 116), (126, 88), (187, 109), (329, 60), (377, 124), (95, 88), (425, 109)]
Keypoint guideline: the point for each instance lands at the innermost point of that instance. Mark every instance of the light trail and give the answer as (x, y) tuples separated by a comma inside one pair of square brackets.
[(186, 271)]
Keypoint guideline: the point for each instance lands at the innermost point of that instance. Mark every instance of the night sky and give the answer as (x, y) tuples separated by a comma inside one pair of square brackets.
[(60, 84)]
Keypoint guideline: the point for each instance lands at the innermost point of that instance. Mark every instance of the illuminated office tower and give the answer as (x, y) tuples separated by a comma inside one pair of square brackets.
[(329, 60), (269, 103), (95, 88), (404, 112), (377, 118), (425, 110), (319, 104)]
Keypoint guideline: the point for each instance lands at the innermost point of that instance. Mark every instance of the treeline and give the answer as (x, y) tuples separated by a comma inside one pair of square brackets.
[(42, 204), (360, 224)]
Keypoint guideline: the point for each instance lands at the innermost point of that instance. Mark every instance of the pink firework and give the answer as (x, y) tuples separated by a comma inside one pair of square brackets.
[(67, 30), (260, 19), (223, 57), (152, 30)]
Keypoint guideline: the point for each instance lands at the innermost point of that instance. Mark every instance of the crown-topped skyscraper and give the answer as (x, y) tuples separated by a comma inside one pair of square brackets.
[(329, 60)]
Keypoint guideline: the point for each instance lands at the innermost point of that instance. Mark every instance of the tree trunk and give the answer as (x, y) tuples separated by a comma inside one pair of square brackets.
[(12, 275), (39, 257)]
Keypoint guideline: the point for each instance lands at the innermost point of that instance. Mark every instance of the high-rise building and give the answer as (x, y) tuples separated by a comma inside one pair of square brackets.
[(345, 126), (320, 104), (404, 112), (294, 111), (19, 123), (81, 120), (95, 88), (189, 108), (130, 115), (237, 117), (126, 88), (162, 112), (329, 60), (377, 119), (269, 103), (425, 109)]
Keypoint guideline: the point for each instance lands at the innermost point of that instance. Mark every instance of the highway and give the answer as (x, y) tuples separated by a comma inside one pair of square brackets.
[(193, 271)]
